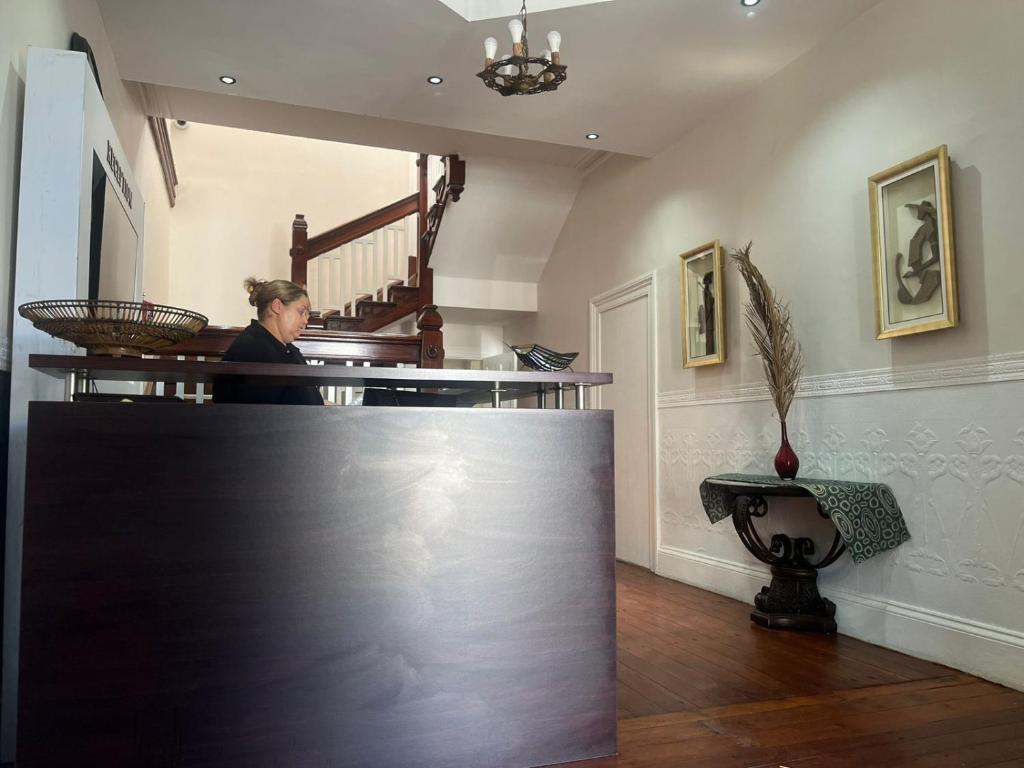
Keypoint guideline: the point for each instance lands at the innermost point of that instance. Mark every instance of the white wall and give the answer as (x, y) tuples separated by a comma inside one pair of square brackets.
[(507, 221), (787, 167), (49, 24), (238, 193)]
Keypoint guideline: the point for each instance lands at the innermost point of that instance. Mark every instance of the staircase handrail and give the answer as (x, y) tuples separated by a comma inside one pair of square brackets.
[(448, 188), (357, 228)]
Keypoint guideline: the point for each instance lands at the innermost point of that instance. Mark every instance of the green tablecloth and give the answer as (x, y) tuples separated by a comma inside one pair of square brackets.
[(866, 515)]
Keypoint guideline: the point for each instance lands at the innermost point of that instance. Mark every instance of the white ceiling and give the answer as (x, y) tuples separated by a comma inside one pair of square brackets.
[(641, 72)]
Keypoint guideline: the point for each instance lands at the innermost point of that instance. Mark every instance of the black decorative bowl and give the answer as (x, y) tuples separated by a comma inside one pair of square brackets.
[(541, 358), (119, 328)]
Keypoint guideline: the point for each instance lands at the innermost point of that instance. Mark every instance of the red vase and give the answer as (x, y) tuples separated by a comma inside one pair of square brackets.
[(786, 461)]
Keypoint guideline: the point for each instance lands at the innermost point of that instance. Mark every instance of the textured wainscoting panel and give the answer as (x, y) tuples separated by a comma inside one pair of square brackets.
[(954, 457)]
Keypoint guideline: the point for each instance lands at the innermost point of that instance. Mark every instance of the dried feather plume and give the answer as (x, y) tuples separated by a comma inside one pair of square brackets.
[(770, 324)]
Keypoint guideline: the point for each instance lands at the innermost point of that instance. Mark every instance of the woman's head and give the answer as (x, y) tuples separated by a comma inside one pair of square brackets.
[(281, 305)]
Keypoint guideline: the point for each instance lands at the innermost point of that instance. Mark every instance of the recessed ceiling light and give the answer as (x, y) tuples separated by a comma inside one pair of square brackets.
[(749, 3), (593, 136), (228, 79), (435, 79)]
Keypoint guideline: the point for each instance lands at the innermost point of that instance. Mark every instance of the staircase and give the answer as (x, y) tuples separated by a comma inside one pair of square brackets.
[(375, 270)]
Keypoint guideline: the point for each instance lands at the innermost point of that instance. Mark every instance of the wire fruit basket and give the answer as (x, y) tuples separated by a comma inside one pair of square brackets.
[(541, 358), (118, 328)]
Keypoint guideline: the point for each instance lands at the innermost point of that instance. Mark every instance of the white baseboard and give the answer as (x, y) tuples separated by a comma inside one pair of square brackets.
[(985, 650)]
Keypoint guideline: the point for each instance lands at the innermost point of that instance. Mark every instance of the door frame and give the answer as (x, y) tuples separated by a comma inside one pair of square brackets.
[(643, 286)]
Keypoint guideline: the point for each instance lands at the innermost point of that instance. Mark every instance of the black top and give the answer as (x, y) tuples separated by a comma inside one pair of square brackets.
[(257, 345)]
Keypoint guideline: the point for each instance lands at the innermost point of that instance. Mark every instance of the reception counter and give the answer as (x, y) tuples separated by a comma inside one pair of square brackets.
[(240, 585)]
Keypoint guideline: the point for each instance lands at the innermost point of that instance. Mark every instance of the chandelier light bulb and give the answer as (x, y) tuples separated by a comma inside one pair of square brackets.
[(546, 55), (515, 28), (555, 42), (490, 49), (505, 70)]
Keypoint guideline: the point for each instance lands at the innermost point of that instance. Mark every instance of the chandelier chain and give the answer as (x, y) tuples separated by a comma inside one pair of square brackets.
[(526, 40)]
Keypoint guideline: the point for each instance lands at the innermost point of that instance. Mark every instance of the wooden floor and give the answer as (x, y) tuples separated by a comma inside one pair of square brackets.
[(700, 685)]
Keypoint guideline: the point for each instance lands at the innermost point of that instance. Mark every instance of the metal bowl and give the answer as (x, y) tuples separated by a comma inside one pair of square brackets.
[(119, 328), (541, 358)]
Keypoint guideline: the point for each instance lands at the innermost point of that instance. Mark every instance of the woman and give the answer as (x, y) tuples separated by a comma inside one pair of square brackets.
[(282, 309)]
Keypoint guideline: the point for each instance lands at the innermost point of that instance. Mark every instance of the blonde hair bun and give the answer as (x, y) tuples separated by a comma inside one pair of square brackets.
[(263, 292), (252, 286)]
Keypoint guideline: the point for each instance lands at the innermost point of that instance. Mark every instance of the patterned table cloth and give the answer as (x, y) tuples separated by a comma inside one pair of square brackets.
[(866, 515)]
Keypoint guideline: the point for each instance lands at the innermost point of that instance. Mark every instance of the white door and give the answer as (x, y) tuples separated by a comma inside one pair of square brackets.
[(623, 348)]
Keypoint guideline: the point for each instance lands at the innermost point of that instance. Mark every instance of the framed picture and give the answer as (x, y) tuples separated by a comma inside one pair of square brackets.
[(701, 300), (912, 242)]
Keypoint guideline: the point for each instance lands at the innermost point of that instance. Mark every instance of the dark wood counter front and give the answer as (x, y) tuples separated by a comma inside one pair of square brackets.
[(299, 587)]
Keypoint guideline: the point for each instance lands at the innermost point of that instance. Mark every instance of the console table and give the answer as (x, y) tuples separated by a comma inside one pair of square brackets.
[(867, 518)]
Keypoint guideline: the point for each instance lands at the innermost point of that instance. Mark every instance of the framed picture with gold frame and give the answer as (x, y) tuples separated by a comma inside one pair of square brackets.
[(912, 243), (701, 300)]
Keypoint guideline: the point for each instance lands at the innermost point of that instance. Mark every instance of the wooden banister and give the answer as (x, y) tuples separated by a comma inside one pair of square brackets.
[(420, 276), (364, 225), (448, 188), (305, 248), (423, 350)]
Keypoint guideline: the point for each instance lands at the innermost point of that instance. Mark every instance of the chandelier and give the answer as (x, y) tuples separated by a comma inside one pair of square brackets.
[(520, 74)]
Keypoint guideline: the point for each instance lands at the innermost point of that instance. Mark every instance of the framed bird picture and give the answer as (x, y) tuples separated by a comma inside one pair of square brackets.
[(912, 244), (701, 298)]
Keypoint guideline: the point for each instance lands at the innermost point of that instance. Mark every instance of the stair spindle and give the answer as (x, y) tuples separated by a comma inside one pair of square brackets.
[(378, 261), (312, 287), (336, 277)]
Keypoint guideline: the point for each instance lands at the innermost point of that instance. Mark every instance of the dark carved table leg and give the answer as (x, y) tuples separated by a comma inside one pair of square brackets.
[(791, 600)]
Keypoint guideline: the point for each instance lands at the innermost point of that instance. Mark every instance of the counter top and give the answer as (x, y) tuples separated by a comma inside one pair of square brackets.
[(470, 386)]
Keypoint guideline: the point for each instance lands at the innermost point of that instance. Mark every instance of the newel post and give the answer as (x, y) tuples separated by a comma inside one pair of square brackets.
[(424, 205), (429, 323), (298, 252), (422, 226), (455, 175)]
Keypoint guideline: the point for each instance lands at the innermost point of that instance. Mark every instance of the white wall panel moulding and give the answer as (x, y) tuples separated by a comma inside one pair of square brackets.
[(979, 370), (623, 294)]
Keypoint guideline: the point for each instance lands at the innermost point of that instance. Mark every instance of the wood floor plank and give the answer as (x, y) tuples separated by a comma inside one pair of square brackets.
[(957, 730), (699, 685)]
